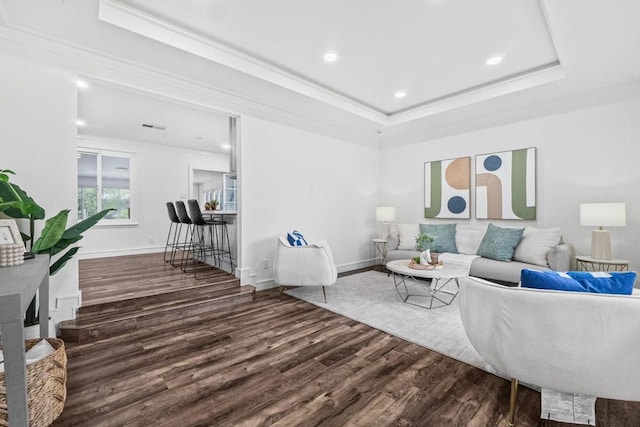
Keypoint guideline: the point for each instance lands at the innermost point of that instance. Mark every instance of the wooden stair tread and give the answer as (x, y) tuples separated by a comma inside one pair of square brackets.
[(103, 318), (135, 297), (139, 288), (126, 294)]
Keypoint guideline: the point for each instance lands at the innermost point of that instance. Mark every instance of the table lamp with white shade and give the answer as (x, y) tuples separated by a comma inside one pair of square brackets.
[(602, 215), (385, 214)]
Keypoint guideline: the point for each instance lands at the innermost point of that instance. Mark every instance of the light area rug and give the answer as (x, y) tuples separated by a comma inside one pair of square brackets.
[(371, 298)]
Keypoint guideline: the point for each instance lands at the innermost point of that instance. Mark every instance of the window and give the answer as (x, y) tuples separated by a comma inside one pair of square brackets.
[(104, 182)]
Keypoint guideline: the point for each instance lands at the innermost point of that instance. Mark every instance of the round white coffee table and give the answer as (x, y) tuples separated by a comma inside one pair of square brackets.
[(439, 291)]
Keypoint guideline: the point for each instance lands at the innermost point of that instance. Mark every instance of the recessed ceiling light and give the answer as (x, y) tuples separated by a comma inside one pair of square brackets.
[(494, 60), (226, 146), (331, 57), (81, 84), (81, 123), (400, 94)]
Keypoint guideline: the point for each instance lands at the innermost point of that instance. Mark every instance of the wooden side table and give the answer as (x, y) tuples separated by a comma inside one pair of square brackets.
[(586, 263), (380, 251), (18, 285)]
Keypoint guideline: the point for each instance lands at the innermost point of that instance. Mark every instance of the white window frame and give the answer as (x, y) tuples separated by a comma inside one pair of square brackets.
[(132, 221)]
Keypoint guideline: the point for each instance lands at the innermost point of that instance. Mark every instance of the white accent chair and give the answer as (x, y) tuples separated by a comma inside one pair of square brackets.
[(310, 265), (572, 342)]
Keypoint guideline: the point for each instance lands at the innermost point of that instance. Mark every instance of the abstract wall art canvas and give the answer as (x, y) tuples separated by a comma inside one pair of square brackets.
[(506, 185), (447, 188)]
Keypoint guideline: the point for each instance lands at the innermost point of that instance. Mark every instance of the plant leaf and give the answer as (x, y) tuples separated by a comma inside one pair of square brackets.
[(23, 206), (4, 174), (7, 205), (63, 243), (56, 266), (85, 224), (52, 232)]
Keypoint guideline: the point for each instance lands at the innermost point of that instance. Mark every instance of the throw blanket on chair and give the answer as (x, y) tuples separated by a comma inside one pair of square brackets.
[(458, 261)]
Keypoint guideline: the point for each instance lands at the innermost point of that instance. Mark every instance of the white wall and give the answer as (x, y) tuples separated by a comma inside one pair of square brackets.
[(38, 142), (289, 178), (324, 187), (160, 174), (583, 156)]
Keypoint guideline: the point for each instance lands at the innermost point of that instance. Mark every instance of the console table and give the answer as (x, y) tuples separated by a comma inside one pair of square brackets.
[(18, 285)]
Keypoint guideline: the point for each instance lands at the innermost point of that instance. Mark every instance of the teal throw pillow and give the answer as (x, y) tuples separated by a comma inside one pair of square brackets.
[(601, 282), (445, 237), (499, 243)]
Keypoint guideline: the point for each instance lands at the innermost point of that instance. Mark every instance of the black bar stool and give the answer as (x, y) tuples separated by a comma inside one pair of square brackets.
[(201, 228), (175, 226), (186, 245), (222, 252)]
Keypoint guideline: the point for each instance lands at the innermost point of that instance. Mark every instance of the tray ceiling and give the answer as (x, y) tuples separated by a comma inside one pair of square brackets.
[(265, 58), (434, 51)]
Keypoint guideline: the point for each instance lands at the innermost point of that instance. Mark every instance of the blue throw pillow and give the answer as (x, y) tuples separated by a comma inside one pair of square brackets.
[(549, 280), (296, 238), (606, 282), (445, 237), (499, 243), (580, 281)]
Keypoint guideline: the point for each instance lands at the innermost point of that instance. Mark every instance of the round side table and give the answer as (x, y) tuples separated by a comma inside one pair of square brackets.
[(380, 251), (586, 263)]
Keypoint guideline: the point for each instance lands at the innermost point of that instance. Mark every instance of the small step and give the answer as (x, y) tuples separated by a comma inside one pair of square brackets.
[(137, 298), (144, 313)]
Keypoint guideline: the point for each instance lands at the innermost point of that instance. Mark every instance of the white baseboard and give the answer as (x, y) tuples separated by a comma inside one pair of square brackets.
[(65, 307), (342, 268), (120, 252), (265, 284), (245, 276)]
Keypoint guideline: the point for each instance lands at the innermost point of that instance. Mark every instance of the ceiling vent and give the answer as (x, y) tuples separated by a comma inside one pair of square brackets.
[(149, 125)]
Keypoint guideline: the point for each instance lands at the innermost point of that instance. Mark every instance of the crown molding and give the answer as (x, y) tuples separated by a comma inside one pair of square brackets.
[(35, 46), (617, 92), (537, 77), (132, 19)]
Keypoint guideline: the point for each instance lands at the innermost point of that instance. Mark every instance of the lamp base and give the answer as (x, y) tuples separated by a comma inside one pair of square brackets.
[(385, 230), (600, 244)]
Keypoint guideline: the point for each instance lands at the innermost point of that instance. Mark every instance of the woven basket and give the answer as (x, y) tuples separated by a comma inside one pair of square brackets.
[(46, 386)]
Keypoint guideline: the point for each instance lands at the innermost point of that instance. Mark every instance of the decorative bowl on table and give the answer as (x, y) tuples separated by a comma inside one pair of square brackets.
[(418, 266)]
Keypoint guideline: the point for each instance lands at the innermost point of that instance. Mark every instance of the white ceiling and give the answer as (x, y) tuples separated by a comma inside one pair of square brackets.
[(430, 49), (265, 58), (117, 112)]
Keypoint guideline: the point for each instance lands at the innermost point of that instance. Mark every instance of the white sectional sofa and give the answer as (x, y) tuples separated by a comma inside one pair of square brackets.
[(540, 249)]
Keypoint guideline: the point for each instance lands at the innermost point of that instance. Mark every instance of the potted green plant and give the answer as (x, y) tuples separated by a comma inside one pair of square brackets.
[(55, 236), (214, 204), (423, 240)]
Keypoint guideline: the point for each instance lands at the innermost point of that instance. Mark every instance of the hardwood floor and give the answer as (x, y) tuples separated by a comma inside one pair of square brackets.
[(122, 294), (281, 361)]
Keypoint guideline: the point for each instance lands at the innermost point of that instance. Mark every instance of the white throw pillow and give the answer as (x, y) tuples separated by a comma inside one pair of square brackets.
[(407, 236), (468, 239), (536, 244)]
